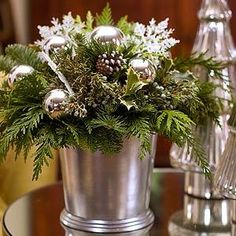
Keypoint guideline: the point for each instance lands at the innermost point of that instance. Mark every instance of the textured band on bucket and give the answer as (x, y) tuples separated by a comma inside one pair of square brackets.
[(102, 226)]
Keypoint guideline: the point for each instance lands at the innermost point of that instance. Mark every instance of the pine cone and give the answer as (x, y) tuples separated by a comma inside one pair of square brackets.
[(107, 64)]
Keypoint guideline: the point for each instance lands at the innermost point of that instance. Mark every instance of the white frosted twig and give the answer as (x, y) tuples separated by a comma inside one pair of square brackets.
[(53, 66)]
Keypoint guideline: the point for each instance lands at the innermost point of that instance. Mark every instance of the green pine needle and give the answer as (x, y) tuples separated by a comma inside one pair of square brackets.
[(139, 127), (24, 55), (119, 106), (209, 63), (89, 21), (124, 25), (199, 155), (105, 18), (6, 63), (43, 153), (107, 121)]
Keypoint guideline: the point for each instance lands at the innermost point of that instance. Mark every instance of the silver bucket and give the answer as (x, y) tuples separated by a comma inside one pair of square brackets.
[(107, 194), (141, 232)]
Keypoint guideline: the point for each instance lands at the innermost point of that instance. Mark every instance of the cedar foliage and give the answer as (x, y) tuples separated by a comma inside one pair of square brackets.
[(117, 107)]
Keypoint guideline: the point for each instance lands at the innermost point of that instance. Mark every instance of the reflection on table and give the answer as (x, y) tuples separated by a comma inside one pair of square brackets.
[(38, 212)]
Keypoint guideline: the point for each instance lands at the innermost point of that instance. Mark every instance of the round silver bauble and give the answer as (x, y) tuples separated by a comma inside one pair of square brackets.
[(18, 72), (107, 34), (54, 102), (53, 43), (144, 68)]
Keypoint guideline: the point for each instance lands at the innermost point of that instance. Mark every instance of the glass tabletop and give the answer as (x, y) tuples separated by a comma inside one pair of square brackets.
[(37, 213)]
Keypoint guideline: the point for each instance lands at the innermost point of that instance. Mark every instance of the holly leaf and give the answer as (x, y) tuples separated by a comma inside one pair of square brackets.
[(166, 66), (129, 104), (139, 85), (133, 82)]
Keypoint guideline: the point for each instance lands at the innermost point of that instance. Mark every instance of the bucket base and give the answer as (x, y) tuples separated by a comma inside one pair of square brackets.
[(103, 226)]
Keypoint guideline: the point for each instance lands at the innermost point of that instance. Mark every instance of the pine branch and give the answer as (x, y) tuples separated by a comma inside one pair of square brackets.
[(199, 155), (209, 63), (77, 135), (211, 106), (18, 130), (89, 21), (108, 141), (168, 105), (172, 120), (105, 18), (108, 122), (79, 39), (24, 55), (124, 25), (140, 128), (6, 63), (43, 153), (89, 53), (30, 89), (24, 145), (178, 127)]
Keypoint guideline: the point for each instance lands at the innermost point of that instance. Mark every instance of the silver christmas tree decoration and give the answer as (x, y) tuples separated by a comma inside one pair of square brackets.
[(54, 102), (107, 34), (54, 42), (144, 68), (18, 72), (215, 40), (225, 175)]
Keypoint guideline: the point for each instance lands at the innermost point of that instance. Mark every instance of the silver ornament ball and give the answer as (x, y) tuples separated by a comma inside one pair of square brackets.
[(144, 68), (53, 43), (18, 72), (54, 102), (107, 34)]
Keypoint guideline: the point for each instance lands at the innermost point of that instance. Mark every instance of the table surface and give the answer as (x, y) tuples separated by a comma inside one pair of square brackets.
[(37, 213)]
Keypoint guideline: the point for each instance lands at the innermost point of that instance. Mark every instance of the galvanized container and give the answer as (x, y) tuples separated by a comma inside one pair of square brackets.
[(107, 194)]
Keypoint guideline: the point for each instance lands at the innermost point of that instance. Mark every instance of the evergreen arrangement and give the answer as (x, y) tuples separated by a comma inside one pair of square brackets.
[(123, 86)]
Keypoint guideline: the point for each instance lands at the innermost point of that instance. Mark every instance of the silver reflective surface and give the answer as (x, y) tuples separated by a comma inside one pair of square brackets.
[(18, 72), (142, 232), (213, 38), (38, 213), (225, 176), (54, 42), (197, 185), (233, 211), (107, 194), (144, 68), (54, 102), (213, 139), (201, 217), (178, 228), (208, 213), (107, 34), (233, 231)]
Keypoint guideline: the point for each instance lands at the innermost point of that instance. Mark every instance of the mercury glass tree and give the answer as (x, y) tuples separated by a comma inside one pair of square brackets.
[(225, 175), (215, 40)]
